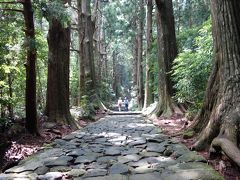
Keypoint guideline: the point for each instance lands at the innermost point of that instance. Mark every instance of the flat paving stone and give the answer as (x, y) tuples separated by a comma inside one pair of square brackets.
[(76, 152), (131, 151), (59, 161), (46, 153), (155, 147), (145, 153), (41, 170), (107, 159), (76, 172), (96, 165), (143, 169), (95, 172), (25, 167), (113, 151), (147, 176), (85, 159), (31, 176), (138, 141), (118, 168), (128, 158), (109, 177), (60, 169), (142, 162), (51, 176)]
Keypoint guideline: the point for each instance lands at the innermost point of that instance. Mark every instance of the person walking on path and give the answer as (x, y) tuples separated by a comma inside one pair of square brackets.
[(119, 104), (126, 104)]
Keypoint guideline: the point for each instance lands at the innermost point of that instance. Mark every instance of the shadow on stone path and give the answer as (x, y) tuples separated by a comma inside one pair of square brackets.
[(117, 147)]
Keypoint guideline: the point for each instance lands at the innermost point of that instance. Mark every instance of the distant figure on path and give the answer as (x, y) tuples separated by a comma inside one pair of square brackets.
[(119, 103), (126, 104)]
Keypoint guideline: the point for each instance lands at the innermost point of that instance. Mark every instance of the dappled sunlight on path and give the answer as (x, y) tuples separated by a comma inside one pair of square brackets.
[(116, 147)]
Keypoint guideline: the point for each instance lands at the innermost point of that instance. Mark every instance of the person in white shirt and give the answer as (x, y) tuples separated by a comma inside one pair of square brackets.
[(119, 104)]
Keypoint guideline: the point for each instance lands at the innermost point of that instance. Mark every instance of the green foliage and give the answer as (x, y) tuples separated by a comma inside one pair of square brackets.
[(54, 9), (5, 122), (41, 68), (12, 59), (192, 68), (120, 29), (190, 13), (186, 39), (74, 80), (154, 68), (11, 54), (106, 94)]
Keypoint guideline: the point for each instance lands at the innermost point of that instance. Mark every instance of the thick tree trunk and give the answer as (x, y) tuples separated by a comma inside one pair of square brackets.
[(88, 79), (140, 57), (167, 51), (58, 74), (147, 96), (218, 121), (88, 48), (30, 98), (97, 20)]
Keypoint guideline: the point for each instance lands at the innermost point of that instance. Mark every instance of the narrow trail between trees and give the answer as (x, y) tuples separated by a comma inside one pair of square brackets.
[(117, 147)]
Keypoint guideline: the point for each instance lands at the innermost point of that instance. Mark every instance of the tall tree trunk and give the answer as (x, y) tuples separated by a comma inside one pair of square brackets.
[(57, 107), (167, 51), (88, 48), (30, 98), (147, 96), (40, 94), (2, 105), (10, 94), (114, 75), (87, 67), (140, 57), (97, 20), (178, 18), (135, 61), (218, 121), (81, 33)]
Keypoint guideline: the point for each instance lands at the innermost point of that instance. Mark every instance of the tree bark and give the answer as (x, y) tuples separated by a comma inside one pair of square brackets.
[(30, 98), (218, 120), (57, 107), (178, 18), (114, 75), (140, 57), (97, 20), (10, 94), (135, 61), (167, 52), (81, 33), (88, 48), (147, 96), (2, 105)]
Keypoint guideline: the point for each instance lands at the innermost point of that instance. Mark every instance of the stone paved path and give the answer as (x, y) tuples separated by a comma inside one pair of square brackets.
[(119, 147)]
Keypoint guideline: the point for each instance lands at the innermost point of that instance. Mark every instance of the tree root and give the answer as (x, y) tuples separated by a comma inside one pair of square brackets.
[(228, 147)]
